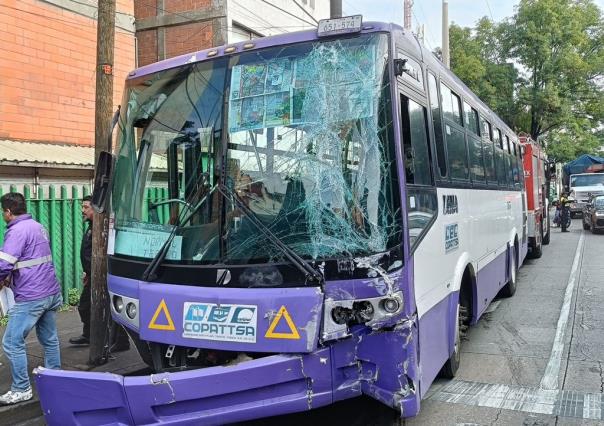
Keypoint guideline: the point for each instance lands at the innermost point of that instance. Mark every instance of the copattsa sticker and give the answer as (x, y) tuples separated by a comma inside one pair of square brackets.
[(226, 323)]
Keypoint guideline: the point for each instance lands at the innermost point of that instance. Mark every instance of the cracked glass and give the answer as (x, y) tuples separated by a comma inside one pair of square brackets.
[(308, 148)]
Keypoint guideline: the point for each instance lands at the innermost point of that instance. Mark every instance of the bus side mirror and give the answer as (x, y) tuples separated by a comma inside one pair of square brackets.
[(102, 181)]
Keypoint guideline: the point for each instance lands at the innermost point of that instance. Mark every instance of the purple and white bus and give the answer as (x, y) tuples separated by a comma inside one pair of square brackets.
[(297, 220)]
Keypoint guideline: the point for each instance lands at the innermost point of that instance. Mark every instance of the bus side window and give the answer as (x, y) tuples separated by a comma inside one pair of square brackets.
[(476, 160), (438, 128), (489, 152), (518, 169), (415, 143), (454, 135), (422, 203)]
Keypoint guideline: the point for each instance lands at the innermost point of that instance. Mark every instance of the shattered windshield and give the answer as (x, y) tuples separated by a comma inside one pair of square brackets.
[(309, 150)]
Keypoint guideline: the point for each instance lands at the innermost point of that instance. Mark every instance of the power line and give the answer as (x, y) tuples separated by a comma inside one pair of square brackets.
[(490, 13), (421, 9), (348, 5), (305, 11), (66, 22), (288, 13), (425, 38)]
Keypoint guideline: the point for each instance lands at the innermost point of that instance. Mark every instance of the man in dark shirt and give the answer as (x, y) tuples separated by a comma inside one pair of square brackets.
[(118, 337), (86, 260)]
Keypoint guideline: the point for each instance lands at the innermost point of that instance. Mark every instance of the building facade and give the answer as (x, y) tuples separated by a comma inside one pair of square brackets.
[(47, 87), (48, 60), (168, 28)]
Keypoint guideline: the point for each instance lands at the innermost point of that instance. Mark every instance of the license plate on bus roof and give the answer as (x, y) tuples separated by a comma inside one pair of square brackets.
[(346, 24)]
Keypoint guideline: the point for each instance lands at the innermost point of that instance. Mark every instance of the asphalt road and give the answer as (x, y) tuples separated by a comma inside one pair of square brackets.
[(535, 359)]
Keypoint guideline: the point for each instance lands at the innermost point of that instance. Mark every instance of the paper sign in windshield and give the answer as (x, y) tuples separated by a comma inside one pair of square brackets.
[(146, 243)]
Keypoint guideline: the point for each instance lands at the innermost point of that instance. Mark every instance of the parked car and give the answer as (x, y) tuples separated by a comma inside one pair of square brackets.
[(593, 214)]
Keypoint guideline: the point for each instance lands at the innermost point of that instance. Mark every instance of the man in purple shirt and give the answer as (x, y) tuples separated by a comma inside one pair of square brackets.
[(25, 262)]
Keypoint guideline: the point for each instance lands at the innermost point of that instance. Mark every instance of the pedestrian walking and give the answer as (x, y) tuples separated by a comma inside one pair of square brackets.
[(26, 266), (118, 336)]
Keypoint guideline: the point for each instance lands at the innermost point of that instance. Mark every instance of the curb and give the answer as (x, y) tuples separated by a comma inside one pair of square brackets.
[(22, 412)]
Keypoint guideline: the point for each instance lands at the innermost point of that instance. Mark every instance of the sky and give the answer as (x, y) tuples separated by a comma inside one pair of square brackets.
[(428, 12)]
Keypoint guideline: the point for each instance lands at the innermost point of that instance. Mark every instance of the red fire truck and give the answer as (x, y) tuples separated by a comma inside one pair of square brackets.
[(537, 187)]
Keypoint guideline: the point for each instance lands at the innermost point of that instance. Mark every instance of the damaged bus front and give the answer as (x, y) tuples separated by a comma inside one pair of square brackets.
[(256, 247)]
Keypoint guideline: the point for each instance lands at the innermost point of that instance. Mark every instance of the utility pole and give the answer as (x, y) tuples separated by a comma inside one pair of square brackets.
[(100, 313), (335, 9), (421, 33), (446, 60), (408, 5)]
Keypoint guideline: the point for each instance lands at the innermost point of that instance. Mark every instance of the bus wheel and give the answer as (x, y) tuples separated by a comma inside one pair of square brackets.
[(452, 365), (546, 236), (537, 249), (510, 288)]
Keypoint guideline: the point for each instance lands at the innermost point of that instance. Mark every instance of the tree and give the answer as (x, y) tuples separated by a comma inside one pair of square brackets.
[(476, 57), (560, 46), (541, 70)]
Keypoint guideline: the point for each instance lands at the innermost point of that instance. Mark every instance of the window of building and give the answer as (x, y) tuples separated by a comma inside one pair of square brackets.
[(240, 33)]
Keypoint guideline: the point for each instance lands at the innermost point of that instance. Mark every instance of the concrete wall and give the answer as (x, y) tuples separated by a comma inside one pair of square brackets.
[(47, 68), (272, 17)]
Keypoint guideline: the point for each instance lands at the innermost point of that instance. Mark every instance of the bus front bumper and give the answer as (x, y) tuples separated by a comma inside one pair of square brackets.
[(267, 386), (277, 384)]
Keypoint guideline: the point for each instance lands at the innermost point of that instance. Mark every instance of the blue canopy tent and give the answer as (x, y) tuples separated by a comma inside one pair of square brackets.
[(581, 164)]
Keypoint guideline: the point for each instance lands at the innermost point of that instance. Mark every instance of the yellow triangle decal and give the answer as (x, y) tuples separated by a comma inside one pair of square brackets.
[(161, 308), (293, 334)]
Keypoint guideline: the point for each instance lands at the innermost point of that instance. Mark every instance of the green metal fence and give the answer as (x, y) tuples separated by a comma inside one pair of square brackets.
[(61, 215)]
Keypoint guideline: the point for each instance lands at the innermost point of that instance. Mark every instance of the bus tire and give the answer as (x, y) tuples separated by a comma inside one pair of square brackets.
[(510, 288), (545, 240), (537, 249), (451, 366)]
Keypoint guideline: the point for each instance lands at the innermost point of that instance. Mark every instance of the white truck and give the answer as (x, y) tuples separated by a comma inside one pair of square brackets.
[(583, 186)]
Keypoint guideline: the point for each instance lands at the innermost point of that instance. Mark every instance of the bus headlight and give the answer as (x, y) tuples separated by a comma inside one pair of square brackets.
[(118, 304), (390, 305), (131, 310), (339, 315), (124, 309)]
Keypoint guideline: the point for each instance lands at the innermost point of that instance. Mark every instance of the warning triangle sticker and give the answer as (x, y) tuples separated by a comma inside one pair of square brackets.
[(293, 333), (161, 308)]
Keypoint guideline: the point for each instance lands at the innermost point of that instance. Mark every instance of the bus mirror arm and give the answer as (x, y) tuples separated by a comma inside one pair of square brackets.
[(103, 176), (399, 66)]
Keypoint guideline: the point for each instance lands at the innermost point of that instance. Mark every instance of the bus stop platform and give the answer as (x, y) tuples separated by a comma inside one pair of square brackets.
[(72, 358)]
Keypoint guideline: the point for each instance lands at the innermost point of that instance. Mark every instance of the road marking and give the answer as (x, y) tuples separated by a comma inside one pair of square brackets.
[(520, 398), (550, 377)]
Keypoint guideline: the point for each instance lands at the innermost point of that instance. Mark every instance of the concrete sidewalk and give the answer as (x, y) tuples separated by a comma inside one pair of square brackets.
[(72, 358)]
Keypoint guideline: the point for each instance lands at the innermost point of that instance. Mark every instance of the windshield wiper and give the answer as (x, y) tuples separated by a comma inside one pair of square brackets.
[(309, 272), (150, 273)]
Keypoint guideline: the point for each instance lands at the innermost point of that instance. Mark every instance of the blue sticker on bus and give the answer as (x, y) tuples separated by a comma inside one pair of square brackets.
[(451, 237), (227, 323)]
